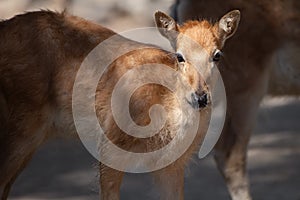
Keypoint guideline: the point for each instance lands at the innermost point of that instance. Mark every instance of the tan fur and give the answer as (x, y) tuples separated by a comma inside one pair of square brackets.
[(40, 55), (263, 57)]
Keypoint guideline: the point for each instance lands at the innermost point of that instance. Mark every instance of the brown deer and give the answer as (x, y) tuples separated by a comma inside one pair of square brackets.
[(40, 56), (264, 58)]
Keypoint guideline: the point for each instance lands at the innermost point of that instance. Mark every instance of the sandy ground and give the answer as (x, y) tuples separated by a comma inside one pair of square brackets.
[(65, 170)]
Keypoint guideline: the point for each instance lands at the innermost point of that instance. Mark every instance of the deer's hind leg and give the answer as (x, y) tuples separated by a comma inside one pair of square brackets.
[(12, 170), (8, 185), (17, 147)]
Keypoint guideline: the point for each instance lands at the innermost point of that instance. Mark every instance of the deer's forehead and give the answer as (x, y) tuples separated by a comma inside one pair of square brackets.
[(203, 33)]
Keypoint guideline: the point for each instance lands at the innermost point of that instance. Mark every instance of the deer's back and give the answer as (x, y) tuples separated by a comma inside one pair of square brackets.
[(39, 56)]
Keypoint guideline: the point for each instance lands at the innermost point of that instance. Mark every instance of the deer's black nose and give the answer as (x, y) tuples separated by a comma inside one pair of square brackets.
[(203, 100), (199, 100)]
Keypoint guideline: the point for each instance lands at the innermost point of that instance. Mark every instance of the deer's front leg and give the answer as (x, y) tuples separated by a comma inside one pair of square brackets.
[(231, 161), (231, 149), (170, 182), (110, 183)]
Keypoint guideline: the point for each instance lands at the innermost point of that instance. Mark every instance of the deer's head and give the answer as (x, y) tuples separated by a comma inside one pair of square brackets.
[(198, 46)]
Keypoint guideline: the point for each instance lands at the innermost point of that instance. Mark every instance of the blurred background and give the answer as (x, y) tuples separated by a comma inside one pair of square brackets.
[(115, 14), (63, 169)]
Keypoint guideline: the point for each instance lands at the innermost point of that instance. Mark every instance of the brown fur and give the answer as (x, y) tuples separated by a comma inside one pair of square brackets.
[(40, 56), (252, 66)]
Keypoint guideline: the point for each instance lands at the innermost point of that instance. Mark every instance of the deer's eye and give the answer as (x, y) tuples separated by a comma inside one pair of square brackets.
[(217, 55), (180, 57)]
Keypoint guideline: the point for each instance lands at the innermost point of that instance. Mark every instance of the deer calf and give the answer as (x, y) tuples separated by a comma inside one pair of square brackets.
[(40, 56)]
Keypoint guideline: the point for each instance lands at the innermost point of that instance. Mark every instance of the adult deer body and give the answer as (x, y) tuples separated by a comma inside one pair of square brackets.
[(39, 58), (264, 58)]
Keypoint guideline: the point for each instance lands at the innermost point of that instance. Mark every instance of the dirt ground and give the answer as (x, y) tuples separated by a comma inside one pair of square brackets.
[(63, 169)]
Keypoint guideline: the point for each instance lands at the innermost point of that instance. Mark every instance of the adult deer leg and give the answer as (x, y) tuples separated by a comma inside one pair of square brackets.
[(8, 185), (231, 149), (110, 183)]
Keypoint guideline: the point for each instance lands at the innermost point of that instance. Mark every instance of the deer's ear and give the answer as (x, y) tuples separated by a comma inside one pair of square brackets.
[(228, 25), (166, 25)]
